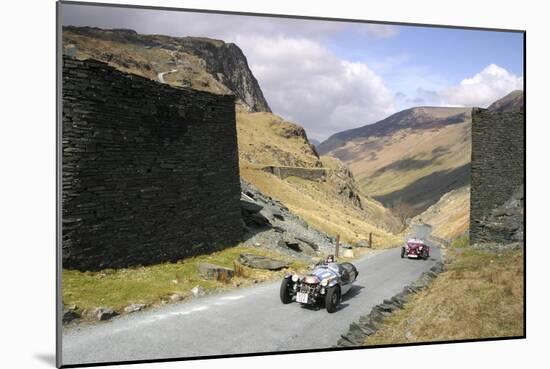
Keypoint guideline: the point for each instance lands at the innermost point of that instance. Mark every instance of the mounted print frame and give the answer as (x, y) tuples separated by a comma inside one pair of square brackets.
[(234, 184)]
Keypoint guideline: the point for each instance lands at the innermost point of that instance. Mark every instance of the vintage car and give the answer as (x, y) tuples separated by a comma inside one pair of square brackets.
[(325, 284), (415, 248)]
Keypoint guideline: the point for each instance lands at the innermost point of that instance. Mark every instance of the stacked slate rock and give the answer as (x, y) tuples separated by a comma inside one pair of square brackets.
[(150, 172), (497, 176), (271, 224)]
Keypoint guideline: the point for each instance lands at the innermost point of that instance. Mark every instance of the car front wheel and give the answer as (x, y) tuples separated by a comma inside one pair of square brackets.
[(286, 297), (425, 255), (332, 299)]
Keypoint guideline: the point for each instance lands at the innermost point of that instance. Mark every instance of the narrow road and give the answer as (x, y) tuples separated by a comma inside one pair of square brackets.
[(243, 321), (161, 75)]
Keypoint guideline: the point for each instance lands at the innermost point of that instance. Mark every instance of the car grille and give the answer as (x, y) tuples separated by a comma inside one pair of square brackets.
[(308, 288)]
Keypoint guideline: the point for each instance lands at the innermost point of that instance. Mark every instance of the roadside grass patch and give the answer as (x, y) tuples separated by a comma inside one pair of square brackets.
[(480, 295), (154, 284)]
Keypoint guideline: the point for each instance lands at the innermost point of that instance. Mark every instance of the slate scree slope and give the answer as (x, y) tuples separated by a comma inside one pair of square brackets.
[(150, 172)]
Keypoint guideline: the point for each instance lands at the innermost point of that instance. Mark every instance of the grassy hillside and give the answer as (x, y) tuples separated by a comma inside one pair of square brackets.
[(490, 286), (414, 157), (266, 139), (316, 204), (146, 61), (450, 216)]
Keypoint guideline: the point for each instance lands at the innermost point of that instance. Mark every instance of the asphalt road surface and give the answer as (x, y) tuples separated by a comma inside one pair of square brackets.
[(247, 320)]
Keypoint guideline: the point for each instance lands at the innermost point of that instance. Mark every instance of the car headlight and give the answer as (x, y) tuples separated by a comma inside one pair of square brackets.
[(324, 282), (295, 278)]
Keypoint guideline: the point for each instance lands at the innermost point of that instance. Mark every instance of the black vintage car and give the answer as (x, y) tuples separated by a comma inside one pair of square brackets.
[(326, 284)]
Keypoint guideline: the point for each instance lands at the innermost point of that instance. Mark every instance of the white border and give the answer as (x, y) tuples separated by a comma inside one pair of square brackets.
[(28, 181)]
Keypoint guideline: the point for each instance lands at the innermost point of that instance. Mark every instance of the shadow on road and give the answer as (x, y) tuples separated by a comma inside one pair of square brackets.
[(354, 291)]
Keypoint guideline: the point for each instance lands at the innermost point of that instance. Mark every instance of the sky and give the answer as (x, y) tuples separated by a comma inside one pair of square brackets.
[(331, 76)]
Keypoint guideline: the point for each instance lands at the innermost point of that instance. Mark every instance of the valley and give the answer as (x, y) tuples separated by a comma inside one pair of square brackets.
[(362, 191)]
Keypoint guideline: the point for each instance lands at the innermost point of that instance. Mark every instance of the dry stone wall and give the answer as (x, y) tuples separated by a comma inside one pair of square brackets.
[(150, 172), (312, 174)]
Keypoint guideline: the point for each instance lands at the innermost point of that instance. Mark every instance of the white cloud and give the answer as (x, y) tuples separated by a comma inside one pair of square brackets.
[(492, 83), (305, 82)]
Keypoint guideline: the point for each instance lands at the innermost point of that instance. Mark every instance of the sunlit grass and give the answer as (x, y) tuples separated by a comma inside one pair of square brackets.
[(479, 296), (154, 284)]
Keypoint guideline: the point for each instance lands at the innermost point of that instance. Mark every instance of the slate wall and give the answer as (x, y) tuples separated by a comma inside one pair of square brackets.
[(312, 174), (498, 165), (150, 172)]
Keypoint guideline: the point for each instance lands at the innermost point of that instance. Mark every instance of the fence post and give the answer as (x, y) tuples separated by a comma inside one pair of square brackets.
[(370, 240), (337, 245)]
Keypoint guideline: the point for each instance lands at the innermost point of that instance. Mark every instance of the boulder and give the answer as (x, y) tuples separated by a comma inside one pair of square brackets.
[(309, 243), (262, 262), (104, 313), (250, 206), (290, 242), (256, 219), (134, 307), (198, 291), (70, 314), (211, 271), (176, 297)]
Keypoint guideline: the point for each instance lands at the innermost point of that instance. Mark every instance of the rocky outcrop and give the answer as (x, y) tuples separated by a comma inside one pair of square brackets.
[(219, 273), (270, 224), (225, 62), (344, 183), (229, 65), (504, 223)]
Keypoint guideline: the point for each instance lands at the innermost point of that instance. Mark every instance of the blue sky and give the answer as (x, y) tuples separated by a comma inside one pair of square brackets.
[(332, 76), (430, 58), (452, 52)]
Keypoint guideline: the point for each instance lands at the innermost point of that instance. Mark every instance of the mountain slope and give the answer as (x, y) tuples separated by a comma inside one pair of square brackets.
[(264, 138), (411, 157), (449, 216), (200, 63), (511, 102)]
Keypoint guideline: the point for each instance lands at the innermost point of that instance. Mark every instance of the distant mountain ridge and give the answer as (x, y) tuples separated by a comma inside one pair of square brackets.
[(410, 159), (415, 156), (418, 117)]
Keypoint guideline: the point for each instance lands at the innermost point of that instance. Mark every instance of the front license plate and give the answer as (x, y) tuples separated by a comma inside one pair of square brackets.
[(301, 297)]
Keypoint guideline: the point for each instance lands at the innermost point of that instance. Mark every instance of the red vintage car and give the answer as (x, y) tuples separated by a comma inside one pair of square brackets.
[(415, 248)]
